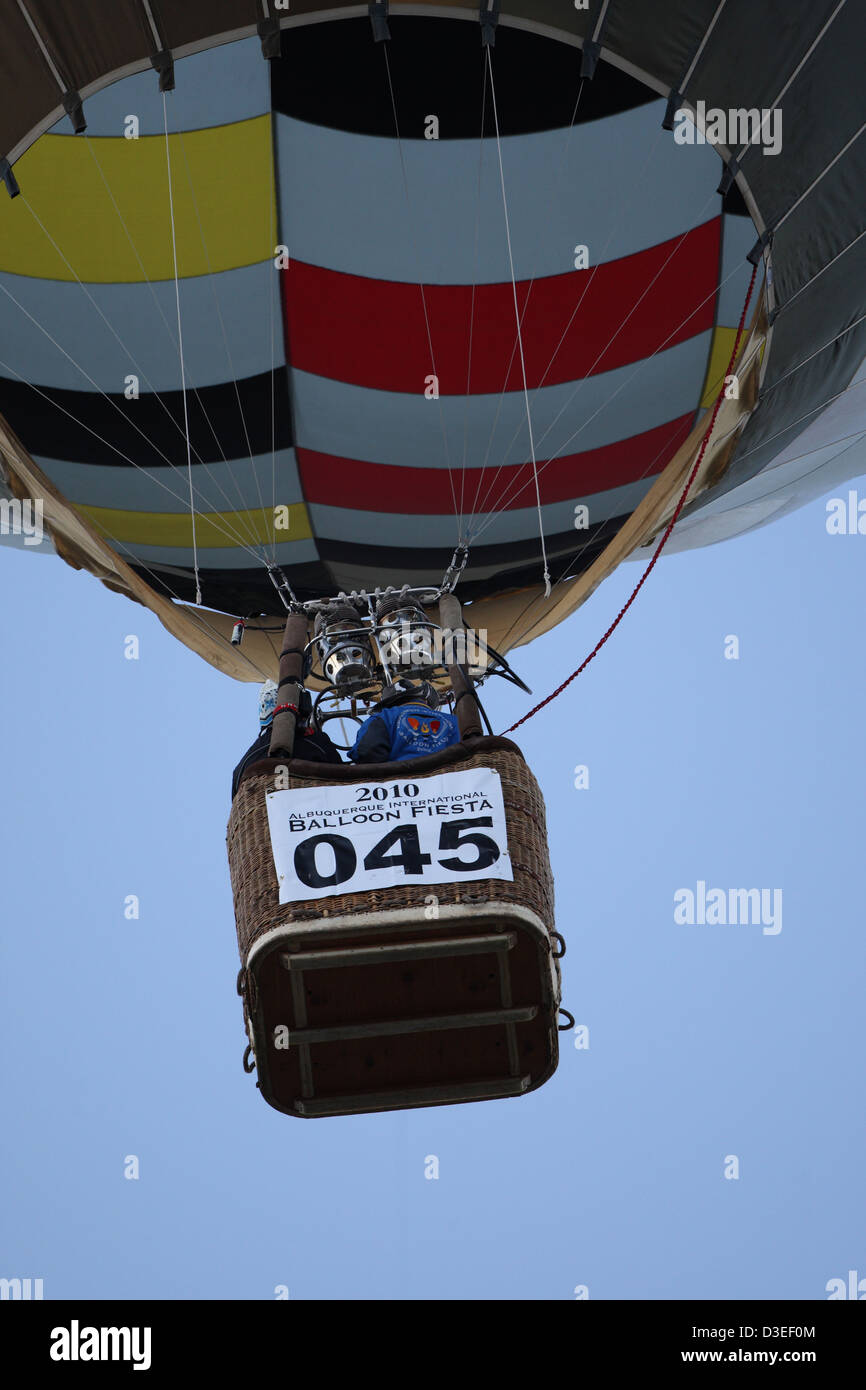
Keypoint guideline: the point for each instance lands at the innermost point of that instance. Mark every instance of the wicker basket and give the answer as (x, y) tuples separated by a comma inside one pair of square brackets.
[(378, 1003)]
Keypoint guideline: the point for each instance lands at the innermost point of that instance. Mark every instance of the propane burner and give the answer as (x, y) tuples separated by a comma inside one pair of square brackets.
[(344, 647)]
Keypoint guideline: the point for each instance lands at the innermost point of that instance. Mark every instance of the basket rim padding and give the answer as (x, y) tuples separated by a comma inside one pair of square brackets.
[(349, 924), (326, 773)]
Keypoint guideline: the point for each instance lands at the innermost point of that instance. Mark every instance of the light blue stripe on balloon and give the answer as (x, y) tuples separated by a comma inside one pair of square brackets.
[(149, 337), (398, 428), (222, 85), (343, 204), (240, 484), (520, 524), (219, 558), (738, 238)]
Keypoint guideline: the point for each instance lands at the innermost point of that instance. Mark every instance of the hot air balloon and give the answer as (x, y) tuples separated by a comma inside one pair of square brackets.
[(309, 312)]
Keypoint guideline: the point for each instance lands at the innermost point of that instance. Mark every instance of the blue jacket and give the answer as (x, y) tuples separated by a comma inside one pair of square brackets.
[(405, 731)]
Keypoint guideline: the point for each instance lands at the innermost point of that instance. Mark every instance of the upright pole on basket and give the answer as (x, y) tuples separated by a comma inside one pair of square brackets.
[(466, 705), (291, 671)]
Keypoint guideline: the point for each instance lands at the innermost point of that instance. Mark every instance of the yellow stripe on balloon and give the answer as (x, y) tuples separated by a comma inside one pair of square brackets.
[(222, 177), (720, 355), (213, 530)]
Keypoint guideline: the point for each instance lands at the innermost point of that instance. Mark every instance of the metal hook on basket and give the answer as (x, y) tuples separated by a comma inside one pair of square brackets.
[(557, 955), (248, 1053), (248, 990), (564, 1027)]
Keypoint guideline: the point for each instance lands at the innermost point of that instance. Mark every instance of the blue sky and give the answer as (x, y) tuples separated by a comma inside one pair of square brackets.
[(125, 1037)]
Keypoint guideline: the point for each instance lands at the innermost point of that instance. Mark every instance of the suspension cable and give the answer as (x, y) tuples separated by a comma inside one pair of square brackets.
[(411, 221), (530, 287), (669, 528), (480, 505), (233, 537), (127, 351), (161, 313), (472, 301), (519, 328), (509, 496), (212, 279), (180, 352)]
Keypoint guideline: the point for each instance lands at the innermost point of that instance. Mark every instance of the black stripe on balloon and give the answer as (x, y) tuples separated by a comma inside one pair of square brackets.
[(434, 560), (141, 429), (334, 75), (518, 565), (240, 592), (734, 204)]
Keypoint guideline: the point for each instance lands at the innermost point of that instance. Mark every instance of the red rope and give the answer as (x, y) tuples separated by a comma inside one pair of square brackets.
[(671, 524)]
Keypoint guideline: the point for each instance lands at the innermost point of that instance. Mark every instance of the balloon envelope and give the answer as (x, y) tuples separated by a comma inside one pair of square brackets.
[(343, 243)]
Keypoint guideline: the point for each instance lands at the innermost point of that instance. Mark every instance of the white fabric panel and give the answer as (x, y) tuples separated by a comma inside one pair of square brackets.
[(738, 238), (217, 487), (520, 523), (145, 322), (217, 87), (217, 558), (616, 186), (828, 453), (395, 427)]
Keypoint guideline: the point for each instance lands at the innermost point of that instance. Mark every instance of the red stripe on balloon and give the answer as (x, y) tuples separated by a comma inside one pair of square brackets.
[(373, 333), (383, 487)]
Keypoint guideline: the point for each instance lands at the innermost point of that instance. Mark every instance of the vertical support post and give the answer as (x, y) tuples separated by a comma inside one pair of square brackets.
[(466, 705), (291, 671)]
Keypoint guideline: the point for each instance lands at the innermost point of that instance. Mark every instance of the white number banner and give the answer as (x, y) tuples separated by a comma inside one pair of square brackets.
[(356, 837)]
